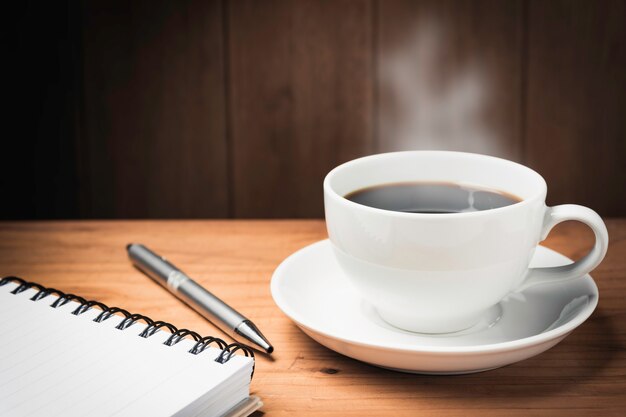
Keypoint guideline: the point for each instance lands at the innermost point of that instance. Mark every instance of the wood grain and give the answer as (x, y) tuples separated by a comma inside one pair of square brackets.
[(453, 42), (301, 82), (575, 101), (583, 375), (154, 141)]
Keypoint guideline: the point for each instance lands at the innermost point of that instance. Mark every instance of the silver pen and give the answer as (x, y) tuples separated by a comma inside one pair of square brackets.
[(198, 298)]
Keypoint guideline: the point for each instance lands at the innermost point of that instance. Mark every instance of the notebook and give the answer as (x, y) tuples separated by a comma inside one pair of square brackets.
[(61, 355)]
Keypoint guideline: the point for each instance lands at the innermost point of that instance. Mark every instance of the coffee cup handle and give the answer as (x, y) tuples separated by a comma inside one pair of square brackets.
[(556, 215)]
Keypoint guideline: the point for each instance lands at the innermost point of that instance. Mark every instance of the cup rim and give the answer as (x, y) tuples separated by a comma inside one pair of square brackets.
[(330, 192)]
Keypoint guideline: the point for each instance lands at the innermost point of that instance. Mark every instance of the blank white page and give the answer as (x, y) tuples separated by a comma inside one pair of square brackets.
[(54, 363)]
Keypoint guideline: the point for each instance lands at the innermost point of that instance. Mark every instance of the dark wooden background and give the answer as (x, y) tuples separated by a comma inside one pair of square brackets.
[(175, 109)]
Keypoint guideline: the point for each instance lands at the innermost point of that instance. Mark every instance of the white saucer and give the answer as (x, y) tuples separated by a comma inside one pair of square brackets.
[(310, 289)]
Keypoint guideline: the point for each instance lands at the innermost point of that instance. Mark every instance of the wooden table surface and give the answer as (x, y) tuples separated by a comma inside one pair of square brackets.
[(583, 375)]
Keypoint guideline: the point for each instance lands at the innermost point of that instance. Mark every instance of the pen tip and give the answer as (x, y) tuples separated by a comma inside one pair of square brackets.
[(128, 246), (253, 336)]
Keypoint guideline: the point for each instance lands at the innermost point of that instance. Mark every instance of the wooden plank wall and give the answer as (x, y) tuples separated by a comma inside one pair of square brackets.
[(300, 100), (176, 109), (154, 138), (576, 101)]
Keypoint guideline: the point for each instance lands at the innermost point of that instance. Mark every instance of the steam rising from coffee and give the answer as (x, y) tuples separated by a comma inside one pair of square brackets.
[(432, 98)]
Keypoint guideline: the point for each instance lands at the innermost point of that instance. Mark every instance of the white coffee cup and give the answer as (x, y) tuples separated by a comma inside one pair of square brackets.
[(440, 273)]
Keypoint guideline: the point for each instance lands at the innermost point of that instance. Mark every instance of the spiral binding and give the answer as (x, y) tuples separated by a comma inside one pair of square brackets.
[(227, 350)]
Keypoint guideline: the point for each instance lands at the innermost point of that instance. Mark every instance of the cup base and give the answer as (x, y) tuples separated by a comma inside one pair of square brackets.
[(429, 326)]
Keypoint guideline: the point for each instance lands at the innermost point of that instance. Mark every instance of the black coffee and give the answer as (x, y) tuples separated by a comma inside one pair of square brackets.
[(431, 197)]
